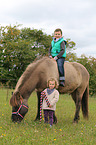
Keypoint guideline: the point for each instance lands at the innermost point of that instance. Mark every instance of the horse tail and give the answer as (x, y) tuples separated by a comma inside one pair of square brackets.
[(84, 102)]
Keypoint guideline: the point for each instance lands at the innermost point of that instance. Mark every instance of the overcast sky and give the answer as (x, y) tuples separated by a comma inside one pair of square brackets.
[(76, 18)]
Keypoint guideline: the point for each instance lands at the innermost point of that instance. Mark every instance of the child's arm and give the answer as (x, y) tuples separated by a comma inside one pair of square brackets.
[(62, 50), (43, 95), (55, 99)]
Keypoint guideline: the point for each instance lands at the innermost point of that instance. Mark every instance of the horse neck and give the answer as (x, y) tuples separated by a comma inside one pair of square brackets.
[(29, 80), (29, 86)]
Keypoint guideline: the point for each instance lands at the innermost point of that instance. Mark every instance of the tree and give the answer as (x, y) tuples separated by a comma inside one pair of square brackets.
[(70, 45), (90, 65), (41, 41), (18, 49)]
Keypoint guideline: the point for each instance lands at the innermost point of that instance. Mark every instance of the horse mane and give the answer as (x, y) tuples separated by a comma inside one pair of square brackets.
[(30, 68)]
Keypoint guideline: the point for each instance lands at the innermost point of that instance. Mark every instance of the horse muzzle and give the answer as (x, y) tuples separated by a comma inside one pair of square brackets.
[(17, 116)]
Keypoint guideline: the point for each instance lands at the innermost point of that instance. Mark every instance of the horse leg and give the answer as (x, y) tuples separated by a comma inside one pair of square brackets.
[(76, 97), (54, 118), (38, 110)]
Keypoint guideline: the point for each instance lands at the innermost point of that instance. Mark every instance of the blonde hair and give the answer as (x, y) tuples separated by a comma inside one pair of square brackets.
[(52, 79)]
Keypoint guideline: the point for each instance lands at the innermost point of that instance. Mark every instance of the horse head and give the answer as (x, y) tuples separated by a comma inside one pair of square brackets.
[(19, 107)]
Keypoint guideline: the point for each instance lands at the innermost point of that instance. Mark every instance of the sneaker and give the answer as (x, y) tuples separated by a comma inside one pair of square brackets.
[(50, 126), (62, 84)]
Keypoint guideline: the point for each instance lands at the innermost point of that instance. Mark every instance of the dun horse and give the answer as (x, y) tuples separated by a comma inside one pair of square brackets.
[(36, 76)]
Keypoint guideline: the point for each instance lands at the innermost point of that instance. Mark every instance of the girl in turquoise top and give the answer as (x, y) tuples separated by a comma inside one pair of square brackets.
[(57, 51)]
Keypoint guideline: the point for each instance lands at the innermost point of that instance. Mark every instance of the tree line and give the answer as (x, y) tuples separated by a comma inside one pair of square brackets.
[(20, 47)]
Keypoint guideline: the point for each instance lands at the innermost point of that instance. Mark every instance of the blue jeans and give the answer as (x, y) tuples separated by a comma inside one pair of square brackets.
[(60, 64)]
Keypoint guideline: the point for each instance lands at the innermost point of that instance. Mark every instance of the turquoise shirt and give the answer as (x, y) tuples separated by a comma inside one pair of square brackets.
[(56, 48)]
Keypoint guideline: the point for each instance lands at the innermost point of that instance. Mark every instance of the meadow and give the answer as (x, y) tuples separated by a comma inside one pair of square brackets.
[(29, 132)]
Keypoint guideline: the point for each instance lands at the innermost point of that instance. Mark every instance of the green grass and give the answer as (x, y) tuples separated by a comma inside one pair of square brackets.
[(64, 132)]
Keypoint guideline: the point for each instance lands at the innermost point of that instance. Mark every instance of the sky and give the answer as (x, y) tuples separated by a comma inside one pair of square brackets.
[(76, 18)]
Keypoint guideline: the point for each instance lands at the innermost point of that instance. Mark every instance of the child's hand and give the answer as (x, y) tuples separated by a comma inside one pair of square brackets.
[(50, 106), (43, 95), (53, 59), (50, 56)]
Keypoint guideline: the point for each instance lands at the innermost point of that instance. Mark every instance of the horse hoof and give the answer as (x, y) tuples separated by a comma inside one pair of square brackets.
[(75, 121), (37, 118), (55, 122)]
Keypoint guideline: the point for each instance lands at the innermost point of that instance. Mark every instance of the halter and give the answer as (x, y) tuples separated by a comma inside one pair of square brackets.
[(17, 112)]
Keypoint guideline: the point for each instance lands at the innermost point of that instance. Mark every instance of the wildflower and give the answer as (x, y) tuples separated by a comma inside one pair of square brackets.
[(82, 132), (60, 130), (36, 130), (82, 125), (54, 139), (1, 136)]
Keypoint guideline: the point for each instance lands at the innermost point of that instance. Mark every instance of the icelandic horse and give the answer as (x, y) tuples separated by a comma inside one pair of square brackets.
[(35, 77)]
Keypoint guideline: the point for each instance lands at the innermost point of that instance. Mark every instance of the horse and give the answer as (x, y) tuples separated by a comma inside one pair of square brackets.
[(35, 78)]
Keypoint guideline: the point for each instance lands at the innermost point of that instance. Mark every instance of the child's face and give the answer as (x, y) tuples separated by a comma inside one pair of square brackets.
[(57, 34), (51, 84)]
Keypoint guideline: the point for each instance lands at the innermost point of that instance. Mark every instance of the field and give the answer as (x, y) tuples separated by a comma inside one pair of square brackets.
[(29, 132)]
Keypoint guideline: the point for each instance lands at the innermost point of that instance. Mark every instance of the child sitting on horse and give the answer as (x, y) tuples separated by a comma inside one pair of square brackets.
[(50, 97), (57, 51)]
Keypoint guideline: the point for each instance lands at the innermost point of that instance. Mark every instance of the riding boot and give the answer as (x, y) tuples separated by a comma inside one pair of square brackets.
[(62, 83)]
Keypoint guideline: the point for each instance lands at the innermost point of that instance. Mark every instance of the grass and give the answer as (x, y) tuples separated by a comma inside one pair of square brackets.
[(30, 132)]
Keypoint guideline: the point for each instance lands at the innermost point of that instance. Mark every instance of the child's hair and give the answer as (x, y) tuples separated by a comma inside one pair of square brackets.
[(58, 29), (52, 79)]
